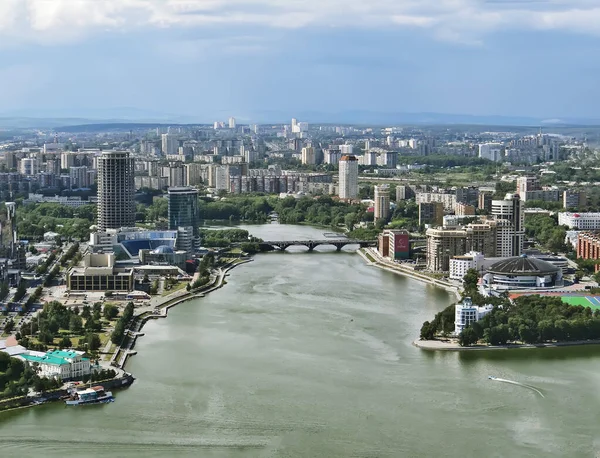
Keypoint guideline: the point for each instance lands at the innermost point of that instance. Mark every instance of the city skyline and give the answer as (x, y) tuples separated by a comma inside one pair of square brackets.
[(531, 59)]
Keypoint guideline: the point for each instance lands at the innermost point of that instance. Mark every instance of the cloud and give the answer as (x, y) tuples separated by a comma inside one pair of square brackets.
[(467, 21)]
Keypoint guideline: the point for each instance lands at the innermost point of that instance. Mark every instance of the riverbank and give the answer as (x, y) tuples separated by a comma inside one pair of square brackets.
[(373, 258), (439, 345)]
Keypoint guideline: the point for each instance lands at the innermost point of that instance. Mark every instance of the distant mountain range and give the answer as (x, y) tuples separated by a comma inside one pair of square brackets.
[(49, 119)]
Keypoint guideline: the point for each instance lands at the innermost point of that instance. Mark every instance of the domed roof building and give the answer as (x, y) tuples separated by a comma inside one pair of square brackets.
[(163, 249), (523, 272)]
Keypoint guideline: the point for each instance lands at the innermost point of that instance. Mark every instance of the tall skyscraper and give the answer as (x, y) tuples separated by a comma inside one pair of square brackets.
[(184, 217), (232, 123), (511, 225), (348, 180), (382, 202), (170, 144), (116, 190)]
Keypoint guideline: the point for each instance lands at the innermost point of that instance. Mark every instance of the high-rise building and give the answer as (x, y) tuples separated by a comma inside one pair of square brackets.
[(29, 166), (193, 174), (170, 144), (431, 213), (308, 156), (382, 202), (232, 123), (511, 234), (491, 151), (116, 190), (346, 150), (574, 199), (527, 184), (348, 179), (184, 217), (79, 177)]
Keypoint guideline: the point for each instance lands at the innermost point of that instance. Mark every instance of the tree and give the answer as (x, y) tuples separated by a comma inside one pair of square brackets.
[(9, 327), (93, 341), (427, 331), (75, 324), (467, 337), (110, 311), (65, 342), (471, 279), (118, 333)]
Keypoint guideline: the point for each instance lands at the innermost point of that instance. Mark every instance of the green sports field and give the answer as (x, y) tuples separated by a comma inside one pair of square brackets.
[(591, 302)]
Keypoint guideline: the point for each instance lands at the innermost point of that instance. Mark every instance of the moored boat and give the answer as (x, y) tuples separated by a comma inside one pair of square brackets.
[(94, 395)]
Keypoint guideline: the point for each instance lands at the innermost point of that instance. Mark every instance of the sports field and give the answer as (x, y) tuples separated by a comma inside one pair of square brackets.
[(592, 302)]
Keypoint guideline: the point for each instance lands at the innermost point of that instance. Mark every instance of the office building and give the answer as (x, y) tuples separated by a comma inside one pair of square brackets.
[(511, 225), (309, 156), (170, 144), (184, 217), (574, 199), (382, 202), (348, 178), (431, 213), (99, 274), (116, 190)]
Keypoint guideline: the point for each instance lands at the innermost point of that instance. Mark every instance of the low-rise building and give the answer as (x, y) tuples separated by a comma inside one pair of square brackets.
[(467, 313), (99, 274), (582, 221), (460, 265), (62, 364)]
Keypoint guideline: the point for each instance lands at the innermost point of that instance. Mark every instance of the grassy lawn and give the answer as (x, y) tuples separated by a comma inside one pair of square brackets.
[(177, 287)]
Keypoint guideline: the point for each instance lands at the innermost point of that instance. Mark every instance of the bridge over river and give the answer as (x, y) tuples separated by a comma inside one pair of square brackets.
[(282, 245)]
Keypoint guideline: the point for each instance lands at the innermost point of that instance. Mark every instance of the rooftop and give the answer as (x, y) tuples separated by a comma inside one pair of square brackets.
[(523, 265)]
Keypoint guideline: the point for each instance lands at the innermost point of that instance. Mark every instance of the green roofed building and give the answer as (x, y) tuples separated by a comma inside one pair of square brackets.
[(63, 364)]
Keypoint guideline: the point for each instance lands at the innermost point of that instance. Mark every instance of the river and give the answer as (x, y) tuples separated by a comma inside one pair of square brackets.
[(310, 355)]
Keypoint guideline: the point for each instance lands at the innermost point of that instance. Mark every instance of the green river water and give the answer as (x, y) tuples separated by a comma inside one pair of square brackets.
[(310, 355)]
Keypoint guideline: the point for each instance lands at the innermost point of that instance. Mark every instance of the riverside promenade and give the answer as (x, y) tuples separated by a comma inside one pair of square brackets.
[(373, 258)]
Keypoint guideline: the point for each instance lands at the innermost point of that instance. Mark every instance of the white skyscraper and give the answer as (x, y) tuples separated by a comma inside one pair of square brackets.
[(348, 179), (232, 123)]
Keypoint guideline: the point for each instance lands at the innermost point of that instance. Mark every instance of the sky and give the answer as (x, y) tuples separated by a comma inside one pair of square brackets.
[(258, 59)]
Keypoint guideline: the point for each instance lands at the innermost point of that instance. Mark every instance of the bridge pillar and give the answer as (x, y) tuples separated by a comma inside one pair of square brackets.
[(339, 246), (311, 246)]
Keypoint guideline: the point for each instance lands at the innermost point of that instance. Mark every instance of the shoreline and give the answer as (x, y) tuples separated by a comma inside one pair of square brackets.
[(399, 270), (438, 345), (124, 378)]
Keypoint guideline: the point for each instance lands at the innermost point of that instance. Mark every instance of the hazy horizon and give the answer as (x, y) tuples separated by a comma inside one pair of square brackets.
[(212, 59)]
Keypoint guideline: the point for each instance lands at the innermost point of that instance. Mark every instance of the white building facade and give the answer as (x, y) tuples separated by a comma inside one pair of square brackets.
[(460, 265), (580, 221), (467, 313)]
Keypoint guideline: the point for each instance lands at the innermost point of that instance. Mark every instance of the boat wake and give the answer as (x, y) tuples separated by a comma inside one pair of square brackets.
[(512, 382)]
